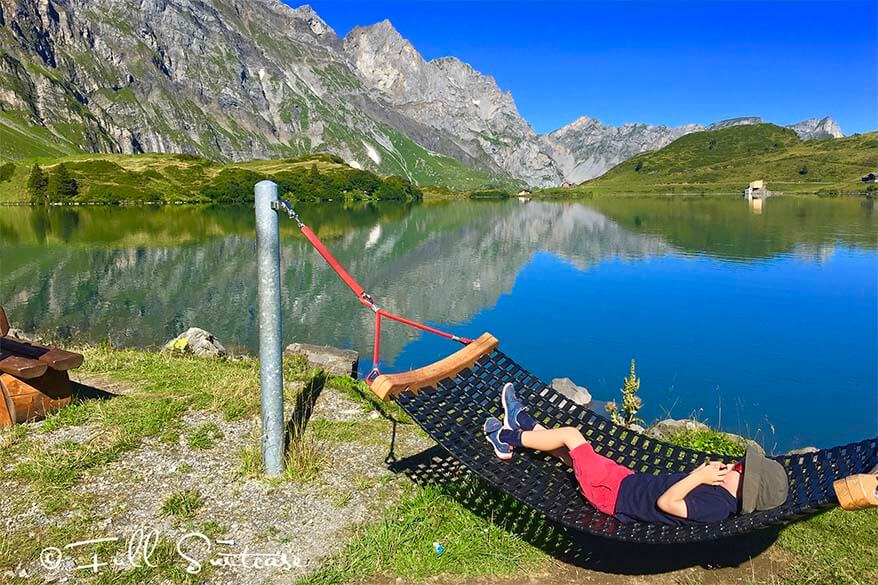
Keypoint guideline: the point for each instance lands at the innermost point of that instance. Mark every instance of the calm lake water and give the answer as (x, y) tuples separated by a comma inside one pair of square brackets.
[(761, 321)]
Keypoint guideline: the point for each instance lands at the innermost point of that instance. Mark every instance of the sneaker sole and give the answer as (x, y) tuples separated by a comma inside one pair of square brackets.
[(499, 454), (506, 425)]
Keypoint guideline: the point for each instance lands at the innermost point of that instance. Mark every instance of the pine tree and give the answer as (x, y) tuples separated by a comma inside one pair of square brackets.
[(62, 187), (37, 185)]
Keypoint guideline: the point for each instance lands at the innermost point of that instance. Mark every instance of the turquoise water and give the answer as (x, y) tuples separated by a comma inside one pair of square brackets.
[(759, 321)]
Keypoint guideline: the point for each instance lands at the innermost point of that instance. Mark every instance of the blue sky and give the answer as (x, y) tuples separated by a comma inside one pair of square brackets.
[(656, 62)]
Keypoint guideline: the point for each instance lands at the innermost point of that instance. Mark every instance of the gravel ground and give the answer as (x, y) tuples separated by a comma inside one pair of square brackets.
[(249, 516)]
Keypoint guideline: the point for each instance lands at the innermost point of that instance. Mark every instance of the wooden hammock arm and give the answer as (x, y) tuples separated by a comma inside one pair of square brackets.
[(389, 386)]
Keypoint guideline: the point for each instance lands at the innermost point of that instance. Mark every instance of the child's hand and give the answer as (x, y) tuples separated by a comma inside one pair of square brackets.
[(711, 473)]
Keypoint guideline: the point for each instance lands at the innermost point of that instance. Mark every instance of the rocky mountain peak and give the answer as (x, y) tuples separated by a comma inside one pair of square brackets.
[(317, 25), (817, 129), (451, 96), (587, 148), (384, 59), (742, 121)]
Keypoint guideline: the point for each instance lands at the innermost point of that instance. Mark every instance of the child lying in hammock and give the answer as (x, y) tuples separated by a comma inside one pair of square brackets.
[(710, 493)]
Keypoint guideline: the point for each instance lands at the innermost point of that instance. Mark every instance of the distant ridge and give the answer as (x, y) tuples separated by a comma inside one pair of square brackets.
[(725, 160), (586, 148)]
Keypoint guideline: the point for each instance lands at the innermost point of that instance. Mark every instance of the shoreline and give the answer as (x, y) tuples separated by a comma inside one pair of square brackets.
[(432, 198)]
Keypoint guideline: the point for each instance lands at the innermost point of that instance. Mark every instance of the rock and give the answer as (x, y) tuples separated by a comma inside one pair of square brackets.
[(637, 428), (803, 451), (578, 394), (748, 442), (338, 362), (16, 333), (670, 426), (198, 342), (586, 148), (814, 129)]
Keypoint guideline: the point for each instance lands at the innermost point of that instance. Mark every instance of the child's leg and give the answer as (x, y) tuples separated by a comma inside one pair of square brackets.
[(552, 439), (561, 452)]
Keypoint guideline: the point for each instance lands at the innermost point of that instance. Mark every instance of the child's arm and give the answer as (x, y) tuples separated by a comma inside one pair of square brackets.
[(673, 500)]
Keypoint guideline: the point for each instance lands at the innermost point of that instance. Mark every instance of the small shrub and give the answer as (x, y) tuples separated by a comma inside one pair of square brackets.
[(6, 171), (631, 403)]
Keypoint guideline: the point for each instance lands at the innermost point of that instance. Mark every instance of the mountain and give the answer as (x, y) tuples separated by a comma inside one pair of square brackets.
[(451, 96), (814, 129), (586, 148), (725, 160), (236, 80)]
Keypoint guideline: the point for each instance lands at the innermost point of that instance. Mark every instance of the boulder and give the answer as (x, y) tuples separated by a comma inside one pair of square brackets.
[(198, 342), (332, 360), (567, 388), (670, 426)]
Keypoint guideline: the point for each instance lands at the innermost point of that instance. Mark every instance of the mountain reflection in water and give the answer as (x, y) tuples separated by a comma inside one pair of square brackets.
[(572, 289)]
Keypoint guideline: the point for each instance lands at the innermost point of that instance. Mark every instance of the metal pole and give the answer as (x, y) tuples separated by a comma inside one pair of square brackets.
[(270, 365)]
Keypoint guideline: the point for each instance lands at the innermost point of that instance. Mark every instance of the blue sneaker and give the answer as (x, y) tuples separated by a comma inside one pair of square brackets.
[(493, 426), (515, 418)]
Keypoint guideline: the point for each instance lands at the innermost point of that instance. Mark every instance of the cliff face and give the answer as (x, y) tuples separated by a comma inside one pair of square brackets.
[(817, 129), (452, 97), (234, 79), (586, 148)]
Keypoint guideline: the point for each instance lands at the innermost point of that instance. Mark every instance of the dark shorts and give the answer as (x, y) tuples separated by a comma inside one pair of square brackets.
[(599, 478)]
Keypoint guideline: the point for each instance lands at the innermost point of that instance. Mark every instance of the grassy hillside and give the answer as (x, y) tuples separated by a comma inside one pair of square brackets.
[(176, 177), (20, 141), (726, 160)]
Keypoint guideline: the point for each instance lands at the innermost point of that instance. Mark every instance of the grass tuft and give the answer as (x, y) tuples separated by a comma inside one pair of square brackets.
[(709, 441), (183, 505), (205, 436)]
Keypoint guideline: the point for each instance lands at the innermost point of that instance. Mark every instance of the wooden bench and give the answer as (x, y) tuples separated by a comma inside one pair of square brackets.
[(33, 377)]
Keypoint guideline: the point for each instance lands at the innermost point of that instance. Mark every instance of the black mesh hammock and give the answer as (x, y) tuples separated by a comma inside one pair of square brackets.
[(451, 399), (453, 408)]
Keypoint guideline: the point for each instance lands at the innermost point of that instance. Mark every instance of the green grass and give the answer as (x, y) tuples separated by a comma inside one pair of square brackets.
[(205, 436), (709, 441), (401, 545), (158, 178), (19, 140), (183, 505), (726, 160), (836, 547)]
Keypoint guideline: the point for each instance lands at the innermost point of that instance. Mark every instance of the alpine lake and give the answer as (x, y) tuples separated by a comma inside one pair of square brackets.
[(758, 319)]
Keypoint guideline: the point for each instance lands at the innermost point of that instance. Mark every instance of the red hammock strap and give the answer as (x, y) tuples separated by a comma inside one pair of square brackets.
[(333, 263), (362, 296)]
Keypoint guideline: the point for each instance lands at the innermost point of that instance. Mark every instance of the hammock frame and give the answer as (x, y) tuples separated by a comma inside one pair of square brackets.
[(451, 409)]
